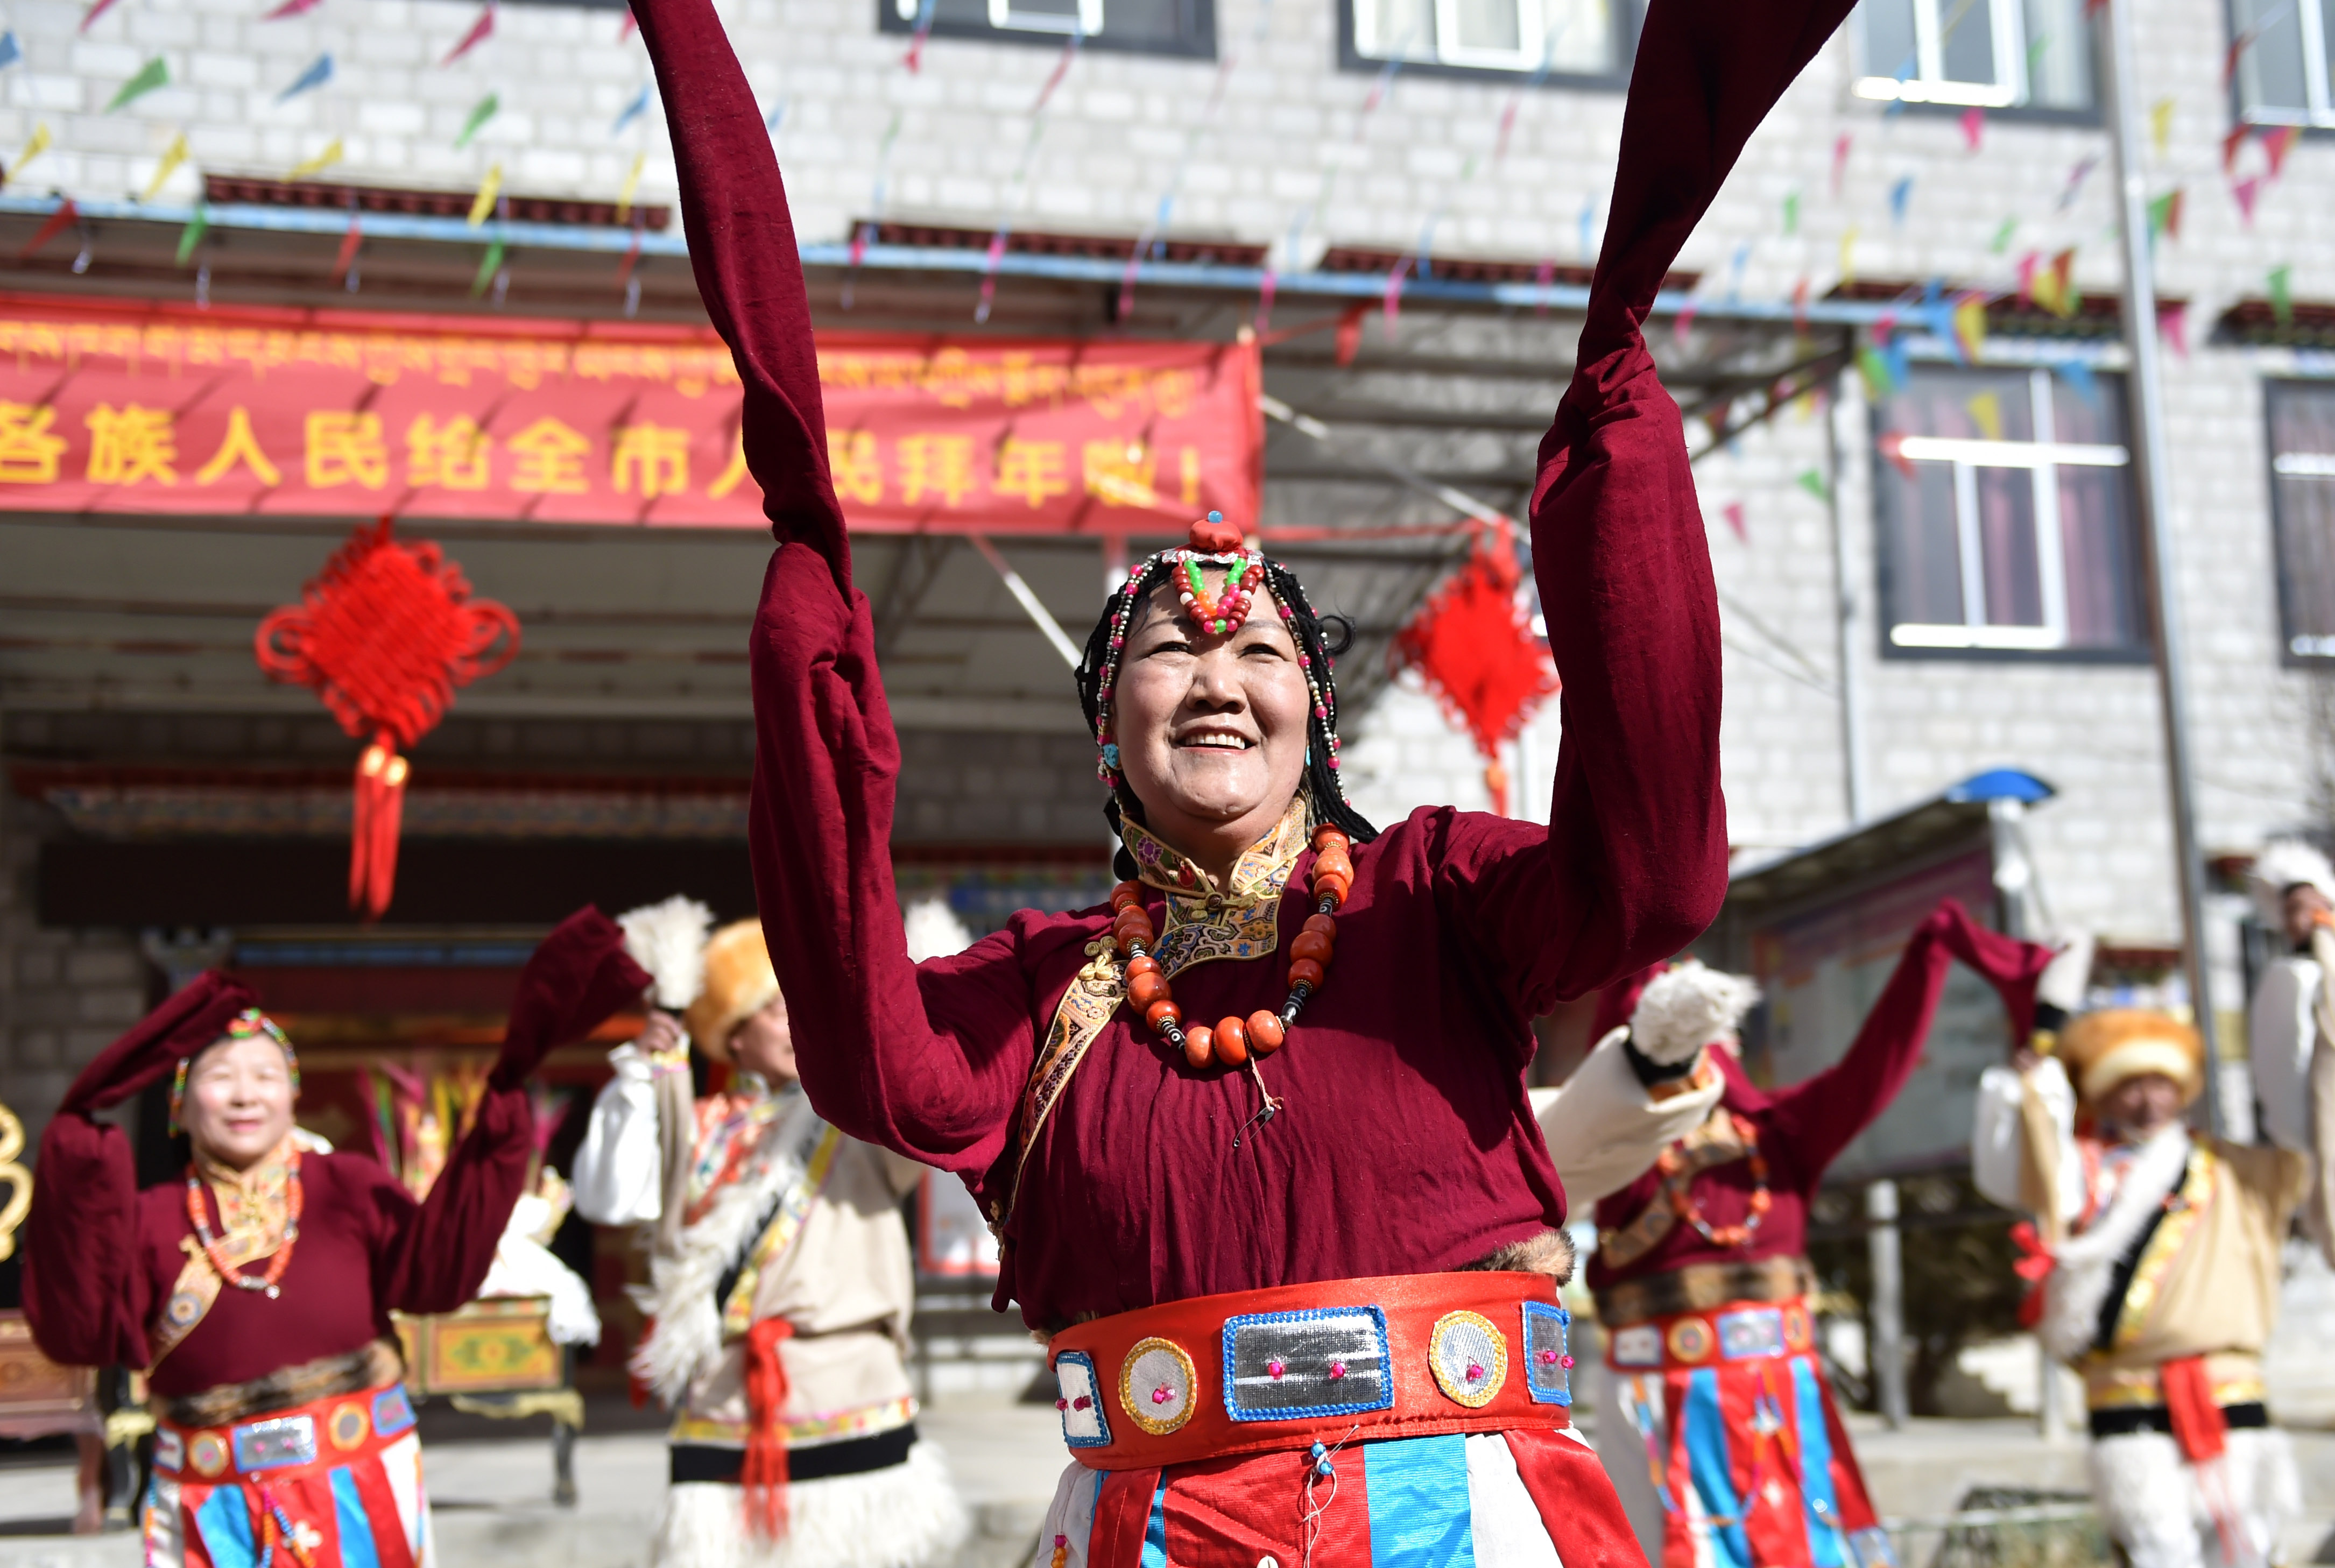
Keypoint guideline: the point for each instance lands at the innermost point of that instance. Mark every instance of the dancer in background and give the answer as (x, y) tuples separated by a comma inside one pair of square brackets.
[(1255, 1138), (1637, 1091), (256, 1292), (2164, 1268), (781, 1280), (1725, 1442)]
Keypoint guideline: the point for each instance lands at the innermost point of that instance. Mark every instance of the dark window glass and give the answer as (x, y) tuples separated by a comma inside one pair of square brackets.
[(1990, 53), (2302, 492), (1148, 26)]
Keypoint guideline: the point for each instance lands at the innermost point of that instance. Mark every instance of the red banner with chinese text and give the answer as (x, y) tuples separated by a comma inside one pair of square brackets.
[(108, 407)]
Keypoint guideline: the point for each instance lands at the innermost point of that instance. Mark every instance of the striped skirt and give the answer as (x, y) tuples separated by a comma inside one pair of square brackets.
[(1516, 1499), (367, 1512)]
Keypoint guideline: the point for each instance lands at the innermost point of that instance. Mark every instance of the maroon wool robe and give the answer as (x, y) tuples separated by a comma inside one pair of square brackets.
[(1408, 1144), (100, 1256)]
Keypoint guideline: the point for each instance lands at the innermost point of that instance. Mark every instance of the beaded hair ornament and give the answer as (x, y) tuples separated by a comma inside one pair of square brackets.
[(1249, 576), (242, 1026)]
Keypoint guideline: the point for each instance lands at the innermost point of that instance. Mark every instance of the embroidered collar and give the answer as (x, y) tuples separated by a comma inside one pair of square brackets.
[(1241, 922), (254, 1205)]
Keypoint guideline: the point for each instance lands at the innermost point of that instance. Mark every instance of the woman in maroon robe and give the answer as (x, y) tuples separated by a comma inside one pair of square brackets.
[(1300, 1338), (256, 1291)]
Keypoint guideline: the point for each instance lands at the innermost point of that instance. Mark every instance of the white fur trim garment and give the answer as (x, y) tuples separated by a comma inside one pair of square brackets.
[(1684, 1009), (933, 931), (2155, 1505), (2078, 1286), (668, 940), (2283, 864), (905, 1516)]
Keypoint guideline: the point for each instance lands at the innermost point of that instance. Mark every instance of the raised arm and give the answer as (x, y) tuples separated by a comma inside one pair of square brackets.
[(1817, 1118), (1634, 864), (439, 1252), (86, 1291), (938, 1085)]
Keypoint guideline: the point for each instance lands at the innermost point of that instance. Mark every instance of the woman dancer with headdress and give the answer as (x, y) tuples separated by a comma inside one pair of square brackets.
[(256, 1292), (1255, 1138)]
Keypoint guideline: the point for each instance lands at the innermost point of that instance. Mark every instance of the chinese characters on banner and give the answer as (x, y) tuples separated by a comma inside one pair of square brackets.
[(166, 409)]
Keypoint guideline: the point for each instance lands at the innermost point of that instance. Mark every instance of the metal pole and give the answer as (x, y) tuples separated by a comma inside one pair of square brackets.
[(2113, 36), (1852, 682), (1886, 1355)]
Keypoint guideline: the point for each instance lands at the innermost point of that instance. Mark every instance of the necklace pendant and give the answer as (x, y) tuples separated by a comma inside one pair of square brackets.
[(274, 1291)]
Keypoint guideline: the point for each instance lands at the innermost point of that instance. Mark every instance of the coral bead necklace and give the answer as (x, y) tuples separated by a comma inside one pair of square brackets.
[(1239, 1041), (1677, 1180), (227, 1268)]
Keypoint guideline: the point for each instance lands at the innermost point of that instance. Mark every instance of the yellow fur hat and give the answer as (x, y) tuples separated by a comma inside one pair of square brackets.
[(2102, 1049), (738, 984)]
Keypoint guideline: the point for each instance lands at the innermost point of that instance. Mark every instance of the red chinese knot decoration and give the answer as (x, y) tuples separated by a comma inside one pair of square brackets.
[(1473, 644), (384, 634)]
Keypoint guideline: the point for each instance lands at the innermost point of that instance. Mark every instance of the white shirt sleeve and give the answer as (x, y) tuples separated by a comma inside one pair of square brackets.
[(1603, 1127), (2281, 1030), (619, 1175), (1998, 1136)]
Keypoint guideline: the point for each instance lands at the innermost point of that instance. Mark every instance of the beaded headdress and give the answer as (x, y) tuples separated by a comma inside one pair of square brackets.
[(242, 1026), (1248, 576)]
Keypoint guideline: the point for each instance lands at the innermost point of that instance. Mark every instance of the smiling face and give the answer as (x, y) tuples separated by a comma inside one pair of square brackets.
[(2306, 909), (238, 1104), (1211, 730), (2141, 1104), (765, 1043)]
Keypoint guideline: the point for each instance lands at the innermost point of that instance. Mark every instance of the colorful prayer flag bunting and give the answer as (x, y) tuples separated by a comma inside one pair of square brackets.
[(10, 50), (192, 235), (344, 263), (1973, 126), (631, 183), (94, 12), (489, 189), (481, 31), (319, 71), (1970, 325), (333, 153), (1874, 366), (1840, 146), (172, 156), (2082, 381), (2165, 214), (489, 264), (63, 217), (2002, 236), (1813, 482), (2075, 178), (2245, 191), (2281, 294), (154, 73), (2172, 324), (485, 109), (1791, 212), (37, 144), (1848, 257), (633, 111), (291, 8), (1985, 410), (2278, 143), (1891, 445), (2160, 123), (1733, 513), (1900, 192)]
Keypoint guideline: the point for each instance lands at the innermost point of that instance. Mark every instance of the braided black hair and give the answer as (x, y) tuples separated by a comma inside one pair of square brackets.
[(1314, 637)]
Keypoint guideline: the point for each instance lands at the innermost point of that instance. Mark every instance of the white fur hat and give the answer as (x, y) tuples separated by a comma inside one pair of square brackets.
[(668, 940), (935, 931), (2287, 863), (1686, 1007)]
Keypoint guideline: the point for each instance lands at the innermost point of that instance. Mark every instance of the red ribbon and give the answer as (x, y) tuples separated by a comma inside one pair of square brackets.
[(2197, 1423), (2035, 1263), (765, 1476)]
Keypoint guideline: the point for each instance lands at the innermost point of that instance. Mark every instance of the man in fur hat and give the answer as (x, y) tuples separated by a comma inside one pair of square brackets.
[(2162, 1253), (779, 1284), (2293, 891)]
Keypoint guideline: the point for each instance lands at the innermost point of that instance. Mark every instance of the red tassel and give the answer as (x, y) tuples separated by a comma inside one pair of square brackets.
[(373, 837), (765, 1476), (2197, 1423)]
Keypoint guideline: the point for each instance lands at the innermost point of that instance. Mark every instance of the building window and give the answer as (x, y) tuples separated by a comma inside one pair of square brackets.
[(2281, 51), (1564, 41), (1137, 27), (2006, 517), (1983, 54), (2303, 506)]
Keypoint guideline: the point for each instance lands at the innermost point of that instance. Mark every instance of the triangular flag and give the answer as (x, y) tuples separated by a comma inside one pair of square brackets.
[(2165, 214), (319, 71), (1791, 212), (1814, 483), (480, 30), (1848, 257), (172, 156), (633, 111), (10, 50), (38, 144), (63, 218), (348, 255), (631, 183), (1874, 368), (331, 154), (1891, 445), (291, 8), (1733, 513), (2082, 381), (2066, 299), (489, 264), (1683, 323), (94, 12), (1840, 146), (2172, 324), (2160, 123), (2075, 178), (2027, 266), (1986, 412), (2245, 191), (2002, 236), (1900, 192), (489, 189), (2281, 294), (2230, 145), (192, 235), (153, 74), (485, 109), (1800, 307), (628, 26), (2278, 144), (1970, 325), (1973, 126)]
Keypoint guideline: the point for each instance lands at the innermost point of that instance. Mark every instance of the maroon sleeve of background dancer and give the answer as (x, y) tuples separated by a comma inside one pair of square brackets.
[(940, 1084), (1808, 1124), (1634, 862), (437, 1253)]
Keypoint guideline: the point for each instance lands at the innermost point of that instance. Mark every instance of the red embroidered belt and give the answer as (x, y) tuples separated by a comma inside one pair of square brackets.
[(339, 1430), (1255, 1371), (1735, 1332)]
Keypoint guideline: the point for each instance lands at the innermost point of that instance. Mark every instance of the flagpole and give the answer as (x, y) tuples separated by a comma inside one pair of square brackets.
[(2112, 34)]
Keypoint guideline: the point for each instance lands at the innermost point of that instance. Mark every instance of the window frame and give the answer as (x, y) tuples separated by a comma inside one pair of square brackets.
[(1981, 641), (1884, 90), (1197, 42), (2314, 19), (1630, 14), (2274, 468)]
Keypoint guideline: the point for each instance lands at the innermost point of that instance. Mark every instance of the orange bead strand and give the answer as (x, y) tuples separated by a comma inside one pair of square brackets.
[(1234, 1040)]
